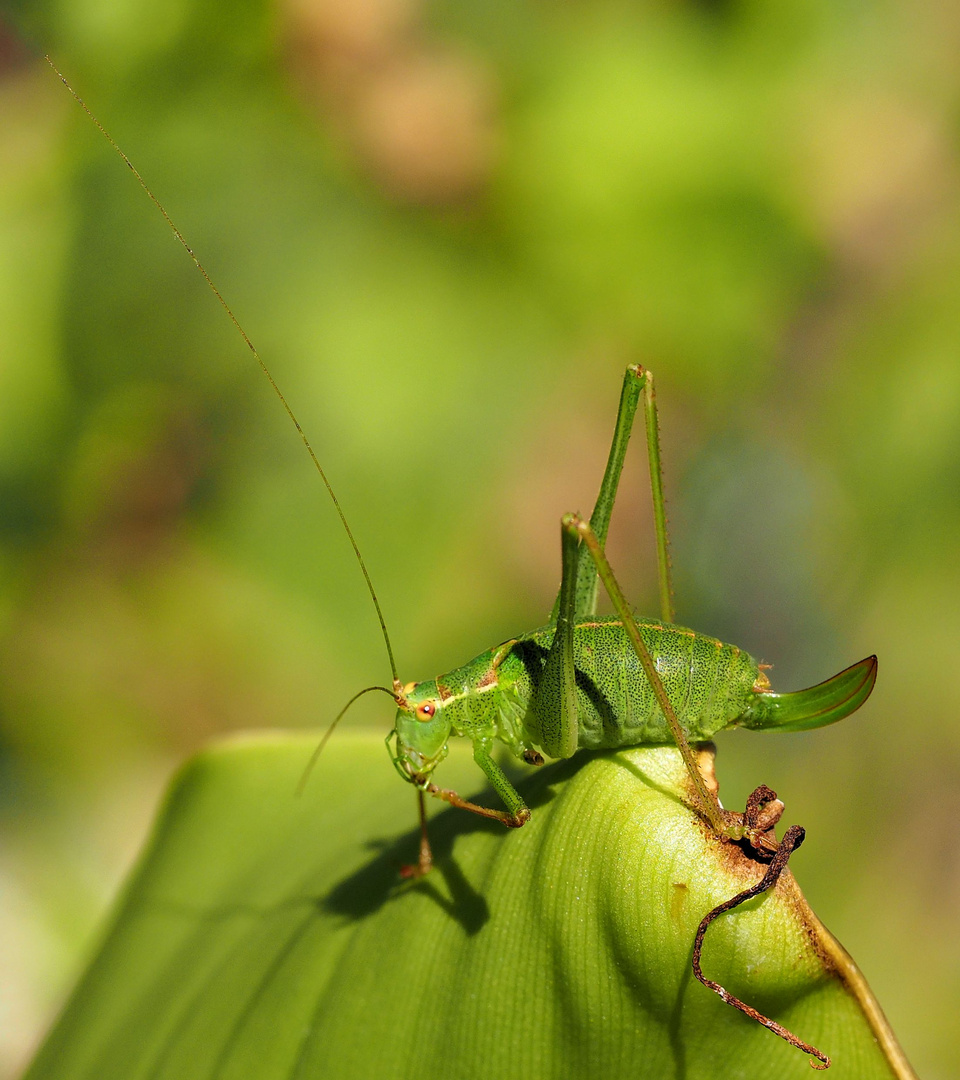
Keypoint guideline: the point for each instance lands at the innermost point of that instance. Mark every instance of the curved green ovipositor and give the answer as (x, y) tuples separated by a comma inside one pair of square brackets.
[(823, 704)]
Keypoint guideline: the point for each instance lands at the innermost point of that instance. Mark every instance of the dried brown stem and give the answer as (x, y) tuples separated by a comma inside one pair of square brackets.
[(792, 839)]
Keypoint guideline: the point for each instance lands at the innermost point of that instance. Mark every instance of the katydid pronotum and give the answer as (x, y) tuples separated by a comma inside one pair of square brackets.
[(589, 681)]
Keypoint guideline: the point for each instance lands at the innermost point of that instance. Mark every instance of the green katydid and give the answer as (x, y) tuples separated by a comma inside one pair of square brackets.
[(583, 681), (589, 681)]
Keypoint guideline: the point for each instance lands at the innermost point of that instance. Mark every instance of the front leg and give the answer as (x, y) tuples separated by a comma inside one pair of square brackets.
[(517, 812), (424, 863)]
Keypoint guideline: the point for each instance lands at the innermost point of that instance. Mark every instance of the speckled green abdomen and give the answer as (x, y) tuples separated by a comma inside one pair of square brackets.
[(709, 683)]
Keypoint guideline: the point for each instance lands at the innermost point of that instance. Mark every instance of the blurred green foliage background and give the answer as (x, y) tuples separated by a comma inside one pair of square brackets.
[(448, 226)]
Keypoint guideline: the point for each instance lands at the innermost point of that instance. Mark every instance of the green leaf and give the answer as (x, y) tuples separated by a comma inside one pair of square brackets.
[(266, 936)]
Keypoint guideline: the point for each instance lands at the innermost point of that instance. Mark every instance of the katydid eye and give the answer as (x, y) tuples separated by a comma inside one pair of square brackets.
[(426, 711)]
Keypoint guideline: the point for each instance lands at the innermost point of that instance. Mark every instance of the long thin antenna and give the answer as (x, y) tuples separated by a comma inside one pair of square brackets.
[(263, 367), (326, 735)]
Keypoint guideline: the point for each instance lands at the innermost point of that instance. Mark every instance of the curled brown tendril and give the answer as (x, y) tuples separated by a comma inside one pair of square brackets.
[(792, 839)]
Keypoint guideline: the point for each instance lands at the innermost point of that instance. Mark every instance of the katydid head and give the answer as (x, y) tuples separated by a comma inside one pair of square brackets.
[(421, 730)]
